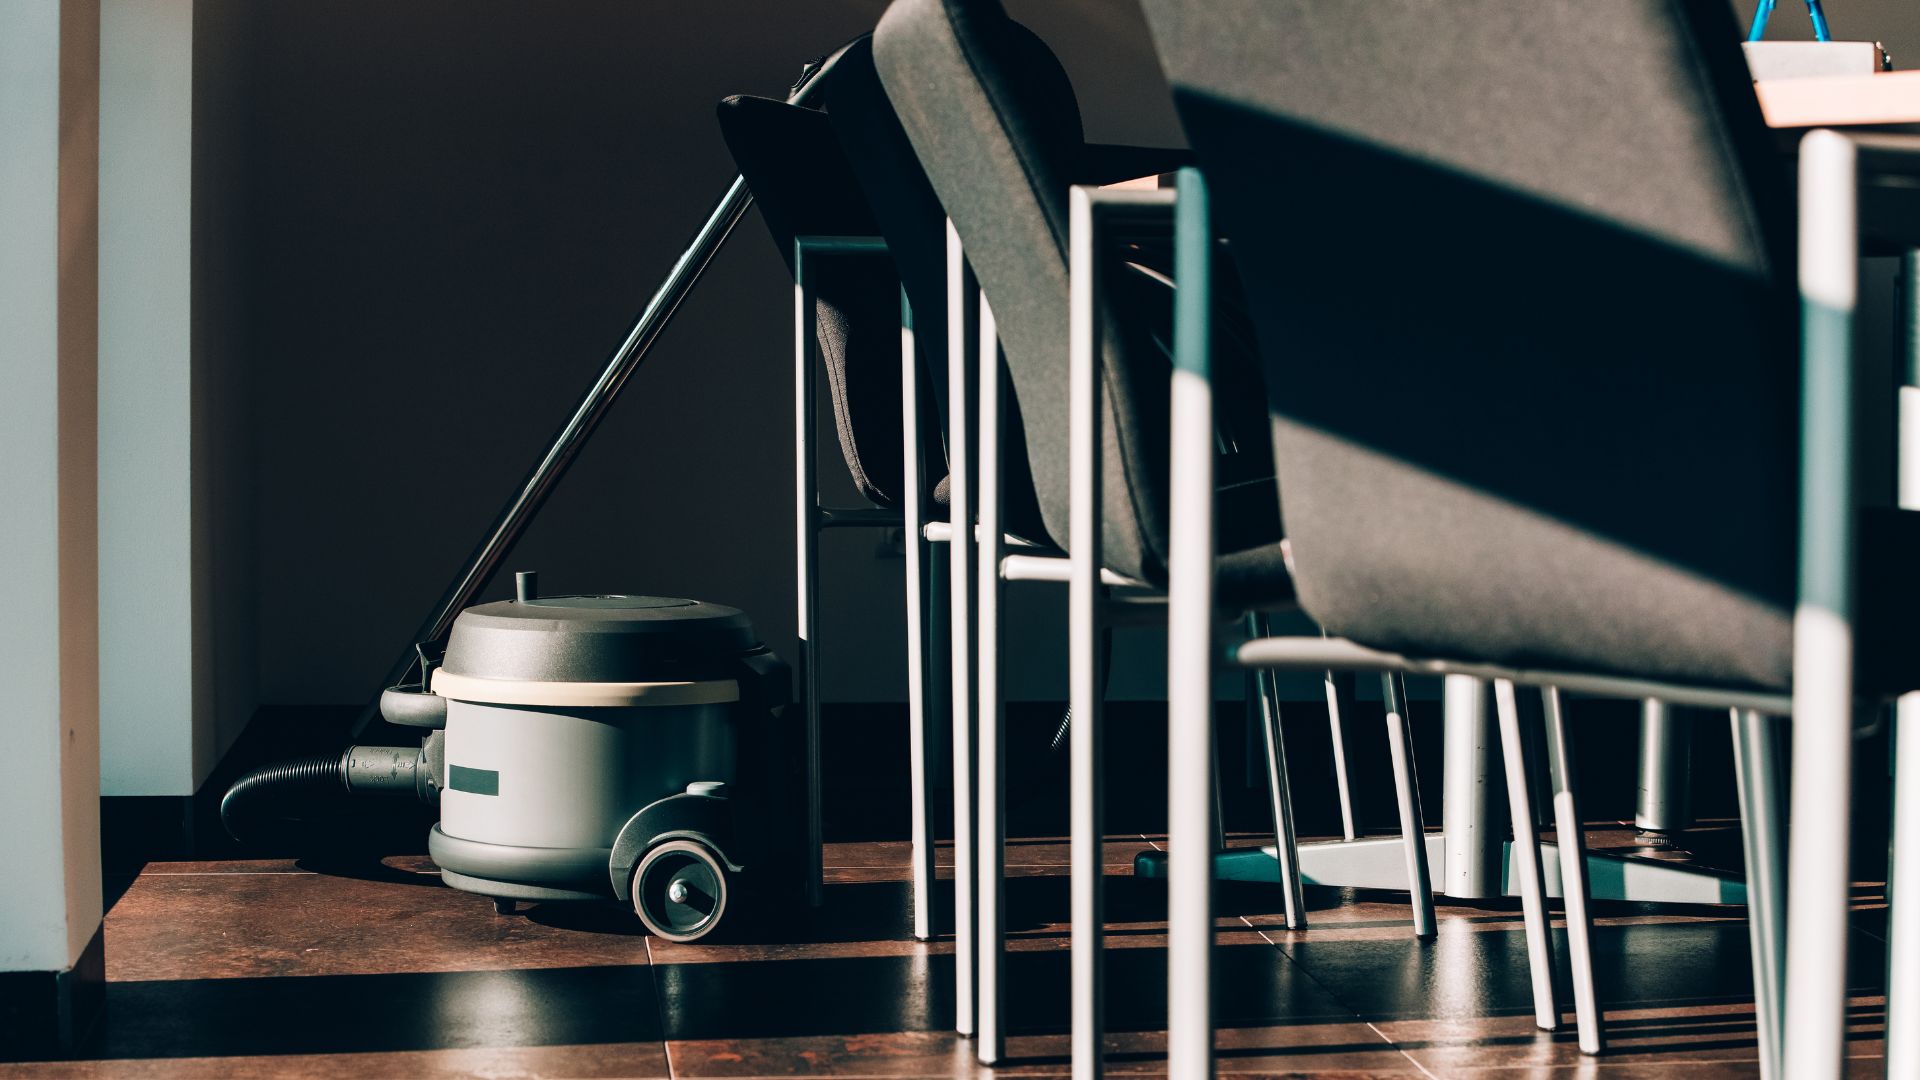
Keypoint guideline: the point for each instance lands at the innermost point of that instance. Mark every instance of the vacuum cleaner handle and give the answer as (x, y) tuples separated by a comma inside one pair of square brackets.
[(411, 705), (565, 446)]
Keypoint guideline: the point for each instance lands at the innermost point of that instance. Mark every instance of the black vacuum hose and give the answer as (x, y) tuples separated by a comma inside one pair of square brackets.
[(301, 782), (308, 783)]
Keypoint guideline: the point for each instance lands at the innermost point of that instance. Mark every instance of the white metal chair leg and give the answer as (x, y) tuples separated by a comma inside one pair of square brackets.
[(990, 1044), (1406, 788), (1526, 861), (1341, 706), (1818, 898), (961, 295), (1084, 618), (1279, 791), (1575, 890), (806, 553), (1190, 659), (1903, 895), (1756, 772), (913, 541)]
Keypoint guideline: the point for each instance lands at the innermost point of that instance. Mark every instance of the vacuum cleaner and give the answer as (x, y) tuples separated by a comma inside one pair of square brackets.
[(624, 748), (628, 748)]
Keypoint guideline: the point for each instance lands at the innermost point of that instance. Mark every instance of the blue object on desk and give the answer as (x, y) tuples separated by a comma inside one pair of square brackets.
[(1765, 11)]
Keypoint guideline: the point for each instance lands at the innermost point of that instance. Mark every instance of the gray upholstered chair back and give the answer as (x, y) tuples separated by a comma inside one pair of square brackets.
[(993, 119), (1520, 273)]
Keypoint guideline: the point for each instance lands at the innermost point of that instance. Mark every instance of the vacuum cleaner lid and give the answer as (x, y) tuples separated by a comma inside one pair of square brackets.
[(600, 639)]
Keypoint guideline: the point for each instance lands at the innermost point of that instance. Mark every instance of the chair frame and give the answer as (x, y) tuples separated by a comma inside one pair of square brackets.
[(1802, 1021), (1191, 614), (924, 566)]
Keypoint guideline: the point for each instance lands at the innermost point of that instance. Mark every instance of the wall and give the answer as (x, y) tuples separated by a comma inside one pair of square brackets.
[(457, 213), (178, 669), (49, 775)]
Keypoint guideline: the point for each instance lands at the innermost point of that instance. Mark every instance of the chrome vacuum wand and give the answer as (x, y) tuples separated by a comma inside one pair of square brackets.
[(513, 518)]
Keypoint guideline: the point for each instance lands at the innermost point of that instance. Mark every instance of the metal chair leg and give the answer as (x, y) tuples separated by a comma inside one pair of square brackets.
[(1084, 614), (1406, 788), (806, 553), (1526, 858), (990, 1045), (1190, 659), (1819, 886), (1279, 791), (1575, 890), (1341, 707), (1903, 894), (913, 542), (1756, 772), (961, 296)]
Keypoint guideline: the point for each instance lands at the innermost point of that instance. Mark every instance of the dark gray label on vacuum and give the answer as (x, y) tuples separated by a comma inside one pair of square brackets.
[(473, 781)]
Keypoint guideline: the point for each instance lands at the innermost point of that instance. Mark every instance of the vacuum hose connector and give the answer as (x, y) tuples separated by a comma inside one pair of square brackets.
[(287, 789)]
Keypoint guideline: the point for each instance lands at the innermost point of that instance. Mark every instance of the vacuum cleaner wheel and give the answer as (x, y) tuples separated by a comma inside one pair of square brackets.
[(680, 890)]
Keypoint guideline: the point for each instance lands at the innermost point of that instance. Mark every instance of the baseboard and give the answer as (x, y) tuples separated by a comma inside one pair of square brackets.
[(48, 1014), (136, 829)]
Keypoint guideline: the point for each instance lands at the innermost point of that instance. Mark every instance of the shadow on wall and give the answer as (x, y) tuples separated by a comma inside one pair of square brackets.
[(457, 216)]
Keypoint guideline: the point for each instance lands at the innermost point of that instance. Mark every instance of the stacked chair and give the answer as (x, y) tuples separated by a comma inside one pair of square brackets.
[(993, 120), (1554, 393), (1535, 290)]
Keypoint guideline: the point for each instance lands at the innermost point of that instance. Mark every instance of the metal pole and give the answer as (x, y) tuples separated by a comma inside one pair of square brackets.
[(1756, 773), (806, 537), (1526, 858), (962, 293), (1286, 842), (1406, 789), (1575, 892), (1473, 868), (1190, 659), (1821, 787), (913, 542), (1342, 704), (566, 443), (1903, 875), (1084, 614), (990, 1046), (1662, 809)]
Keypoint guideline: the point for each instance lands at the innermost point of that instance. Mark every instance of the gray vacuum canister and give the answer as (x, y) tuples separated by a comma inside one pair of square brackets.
[(593, 750)]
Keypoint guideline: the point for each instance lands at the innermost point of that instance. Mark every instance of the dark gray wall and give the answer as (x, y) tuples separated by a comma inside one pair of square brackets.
[(457, 211)]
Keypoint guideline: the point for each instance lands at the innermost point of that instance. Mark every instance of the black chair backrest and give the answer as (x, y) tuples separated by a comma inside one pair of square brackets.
[(993, 119), (1521, 275)]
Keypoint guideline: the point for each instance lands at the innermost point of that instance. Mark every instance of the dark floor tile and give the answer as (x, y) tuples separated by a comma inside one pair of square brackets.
[(185, 925), (606, 1061), (353, 1014), (1254, 986), (1475, 973), (1697, 1038), (1331, 1049)]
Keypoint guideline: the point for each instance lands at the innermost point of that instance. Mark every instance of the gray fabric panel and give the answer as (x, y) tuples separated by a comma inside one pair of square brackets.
[(909, 215), (1518, 274), (992, 118), (803, 186), (992, 188)]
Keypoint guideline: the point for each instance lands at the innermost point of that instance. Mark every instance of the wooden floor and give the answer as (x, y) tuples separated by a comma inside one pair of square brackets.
[(282, 969)]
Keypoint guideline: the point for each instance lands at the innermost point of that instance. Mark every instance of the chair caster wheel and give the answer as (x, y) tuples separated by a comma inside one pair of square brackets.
[(504, 905)]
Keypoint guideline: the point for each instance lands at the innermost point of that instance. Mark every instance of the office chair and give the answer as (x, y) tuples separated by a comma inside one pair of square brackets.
[(994, 121), (1591, 488)]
